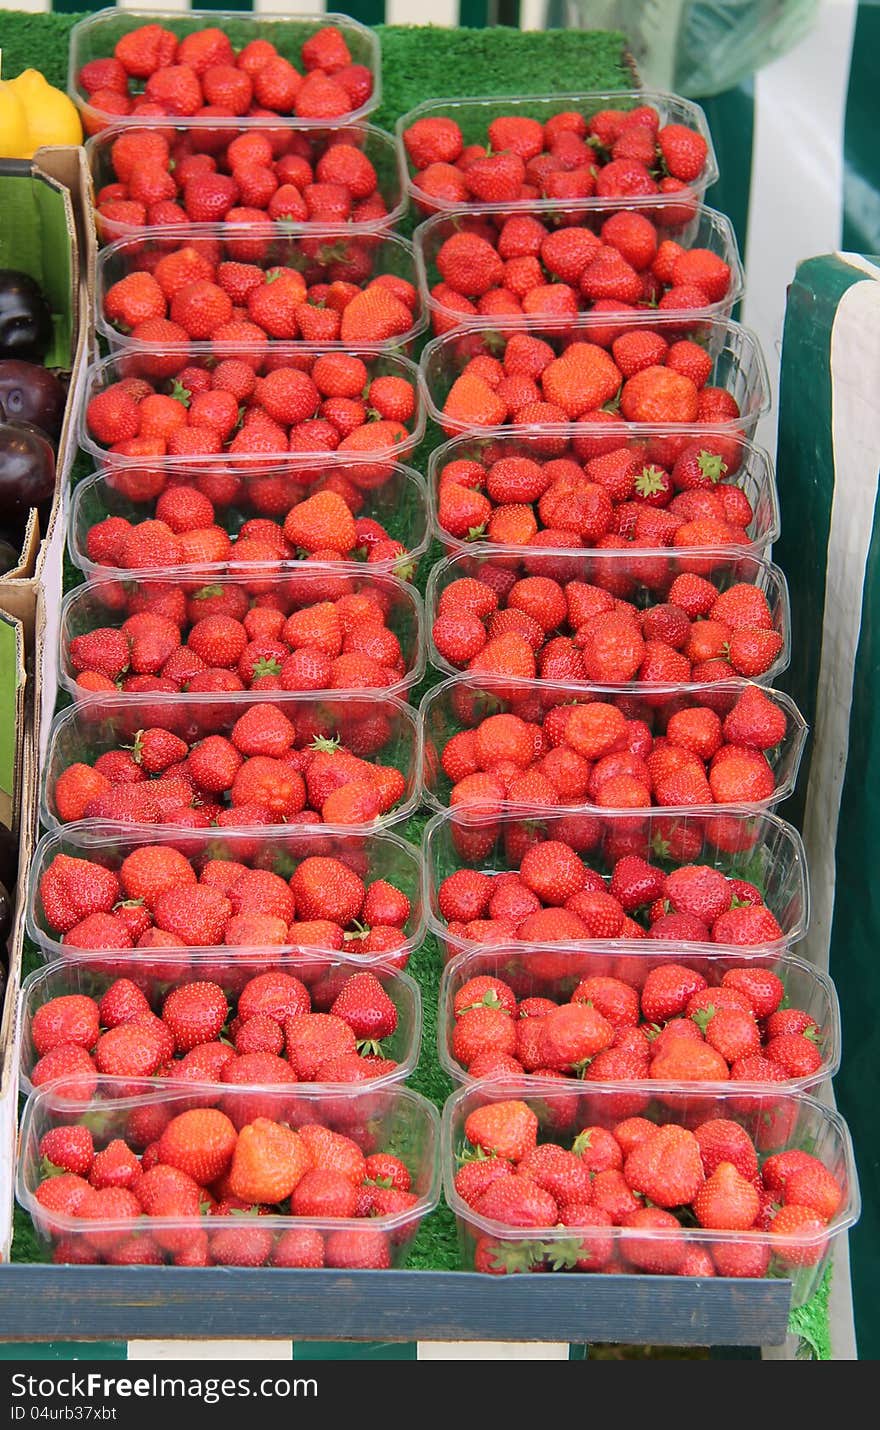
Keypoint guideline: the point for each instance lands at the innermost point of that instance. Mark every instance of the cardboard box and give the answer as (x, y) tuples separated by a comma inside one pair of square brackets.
[(53, 238)]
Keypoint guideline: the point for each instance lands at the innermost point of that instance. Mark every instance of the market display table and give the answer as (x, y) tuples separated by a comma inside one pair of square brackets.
[(432, 1300)]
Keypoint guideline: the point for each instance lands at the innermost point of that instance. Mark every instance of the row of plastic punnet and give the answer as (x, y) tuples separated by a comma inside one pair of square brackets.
[(385, 730), (463, 702), (278, 849), (554, 973), (399, 503), (747, 466), (756, 846), (774, 1122), (96, 36), (378, 147), (474, 115), (107, 603), (160, 366), (322, 254), (706, 228), (324, 978), (737, 364), (379, 1119), (643, 578)]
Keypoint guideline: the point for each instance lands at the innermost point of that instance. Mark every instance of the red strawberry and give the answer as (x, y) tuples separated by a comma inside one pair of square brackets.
[(503, 1129), (666, 1167)]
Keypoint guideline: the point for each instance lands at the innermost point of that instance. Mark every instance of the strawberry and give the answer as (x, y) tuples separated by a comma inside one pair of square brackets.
[(667, 990), (666, 1167), (746, 927), (683, 151), (503, 1129), (367, 1009), (134, 1049), (299, 1246), (327, 888), (571, 1035), (71, 889), (698, 890), (268, 1162), (313, 1039), (797, 1236), (754, 721), (660, 1255), (437, 140), (552, 871), (70, 1149), (365, 1250), (69, 1019), (195, 1013), (518, 1201)]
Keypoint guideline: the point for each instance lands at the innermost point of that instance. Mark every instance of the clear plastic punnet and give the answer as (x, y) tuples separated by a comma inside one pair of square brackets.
[(371, 857), (379, 730), (399, 504), (738, 367), (389, 1119), (774, 1123), (740, 463), (555, 974), (160, 367), (95, 37), (379, 147), (108, 604), (757, 849), (474, 115), (644, 579), (322, 255), (707, 229), (463, 703), (324, 981)]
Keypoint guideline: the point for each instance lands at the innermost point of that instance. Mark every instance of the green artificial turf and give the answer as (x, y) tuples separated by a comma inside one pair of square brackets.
[(418, 64)]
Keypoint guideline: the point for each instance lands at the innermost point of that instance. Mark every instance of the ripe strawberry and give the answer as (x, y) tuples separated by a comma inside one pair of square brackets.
[(71, 889), (666, 1167), (70, 1149), (69, 1019), (660, 1255), (683, 151), (268, 1162), (727, 1200), (797, 1236), (518, 1201), (350, 1250), (667, 990), (367, 1009), (503, 1129), (724, 1141), (571, 1035), (698, 890), (195, 1013), (746, 927), (552, 871)]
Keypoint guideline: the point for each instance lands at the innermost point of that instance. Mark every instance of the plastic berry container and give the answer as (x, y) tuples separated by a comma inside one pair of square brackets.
[(474, 115), (320, 253), (391, 1119), (738, 366), (81, 734), (379, 147), (707, 229), (785, 1121), (463, 702), (325, 979), (108, 603), (757, 847), (160, 366), (749, 467), (640, 577), (399, 504), (554, 974), (376, 855), (96, 36)]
